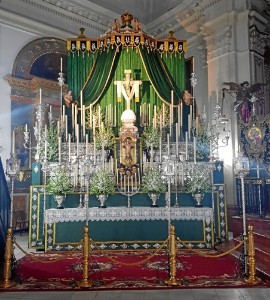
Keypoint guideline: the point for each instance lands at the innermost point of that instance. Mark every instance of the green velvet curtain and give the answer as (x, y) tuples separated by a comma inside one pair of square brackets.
[(96, 73)]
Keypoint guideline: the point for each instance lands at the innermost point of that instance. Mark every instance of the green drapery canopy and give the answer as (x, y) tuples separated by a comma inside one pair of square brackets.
[(94, 74)]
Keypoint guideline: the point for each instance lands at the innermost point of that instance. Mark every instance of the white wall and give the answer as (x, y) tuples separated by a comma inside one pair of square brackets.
[(11, 42)]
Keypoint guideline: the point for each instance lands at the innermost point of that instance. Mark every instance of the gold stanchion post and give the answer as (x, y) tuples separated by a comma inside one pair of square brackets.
[(7, 282), (86, 282), (251, 258), (173, 249)]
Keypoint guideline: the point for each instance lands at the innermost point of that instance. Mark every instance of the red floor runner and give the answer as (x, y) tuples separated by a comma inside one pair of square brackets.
[(64, 271)]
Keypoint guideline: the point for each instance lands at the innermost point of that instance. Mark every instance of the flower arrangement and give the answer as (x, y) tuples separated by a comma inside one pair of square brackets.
[(150, 137), (152, 182), (198, 181), (52, 145), (59, 183), (102, 182), (106, 137)]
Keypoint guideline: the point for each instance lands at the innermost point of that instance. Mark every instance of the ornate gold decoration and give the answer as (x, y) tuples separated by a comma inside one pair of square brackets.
[(173, 249), (7, 282), (86, 282), (252, 279)]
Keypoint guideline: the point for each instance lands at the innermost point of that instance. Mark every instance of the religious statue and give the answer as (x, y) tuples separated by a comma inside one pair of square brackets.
[(127, 145), (137, 25), (187, 97), (126, 19), (116, 25), (244, 93), (68, 99)]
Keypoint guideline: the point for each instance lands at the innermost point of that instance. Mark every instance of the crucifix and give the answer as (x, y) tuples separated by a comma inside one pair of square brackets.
[(128, 88)]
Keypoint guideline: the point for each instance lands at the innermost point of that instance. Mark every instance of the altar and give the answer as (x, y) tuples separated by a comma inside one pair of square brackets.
[(153, 143), (120, 227)]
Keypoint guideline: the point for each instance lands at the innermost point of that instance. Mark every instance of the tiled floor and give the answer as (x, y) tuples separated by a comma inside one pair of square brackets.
[(184, 294)]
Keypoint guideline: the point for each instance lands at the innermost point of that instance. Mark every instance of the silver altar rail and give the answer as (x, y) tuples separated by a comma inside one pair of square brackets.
[(127, 214)]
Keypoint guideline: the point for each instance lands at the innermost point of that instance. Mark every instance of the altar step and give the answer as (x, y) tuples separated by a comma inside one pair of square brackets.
[(261, 234)]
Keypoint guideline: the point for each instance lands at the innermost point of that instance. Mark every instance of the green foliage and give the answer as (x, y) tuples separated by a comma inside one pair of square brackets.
[(102, 182), (59, 183), (152, 182), (106, 136), (199, 181), (52, 145), (151, 136)]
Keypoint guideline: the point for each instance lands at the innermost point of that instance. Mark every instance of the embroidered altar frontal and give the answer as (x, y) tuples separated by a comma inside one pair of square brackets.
[(118, 227)]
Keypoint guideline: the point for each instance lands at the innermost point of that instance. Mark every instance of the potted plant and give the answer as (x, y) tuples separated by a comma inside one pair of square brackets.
[(198, 183), (59, 185), (102, 184), (153, 184)]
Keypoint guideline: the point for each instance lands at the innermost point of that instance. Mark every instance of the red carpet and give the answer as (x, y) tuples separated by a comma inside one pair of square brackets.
[(61, 272)]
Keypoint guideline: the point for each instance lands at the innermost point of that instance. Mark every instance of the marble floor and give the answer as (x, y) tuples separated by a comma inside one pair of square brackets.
[(185, 294)]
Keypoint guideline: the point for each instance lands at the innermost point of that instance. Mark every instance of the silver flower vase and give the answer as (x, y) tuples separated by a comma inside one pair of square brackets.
[(59, 200), (198, 198), (154, 198), (102, 198)]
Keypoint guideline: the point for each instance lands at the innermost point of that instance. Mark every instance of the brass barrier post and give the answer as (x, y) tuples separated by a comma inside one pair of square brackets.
[(86, 282), (173, 249), (7, 282), (251, 258)]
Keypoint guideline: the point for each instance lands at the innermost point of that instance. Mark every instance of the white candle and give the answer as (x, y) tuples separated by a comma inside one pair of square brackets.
[(45, 152), (194, 148), (72, 115), (66, 126), (160, 149), (78, 138), (26, 129), (40, 95), (61, 64), (86, 144), (163, 113), (13, 141), (186, 145), (59, 149), (83, 120), (69, 147), (81, 108), (176, 139), (94, 150), (94, 124), (168, 143)]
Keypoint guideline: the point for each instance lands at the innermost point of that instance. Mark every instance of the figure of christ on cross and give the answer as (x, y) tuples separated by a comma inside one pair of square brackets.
[(128, 87)]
